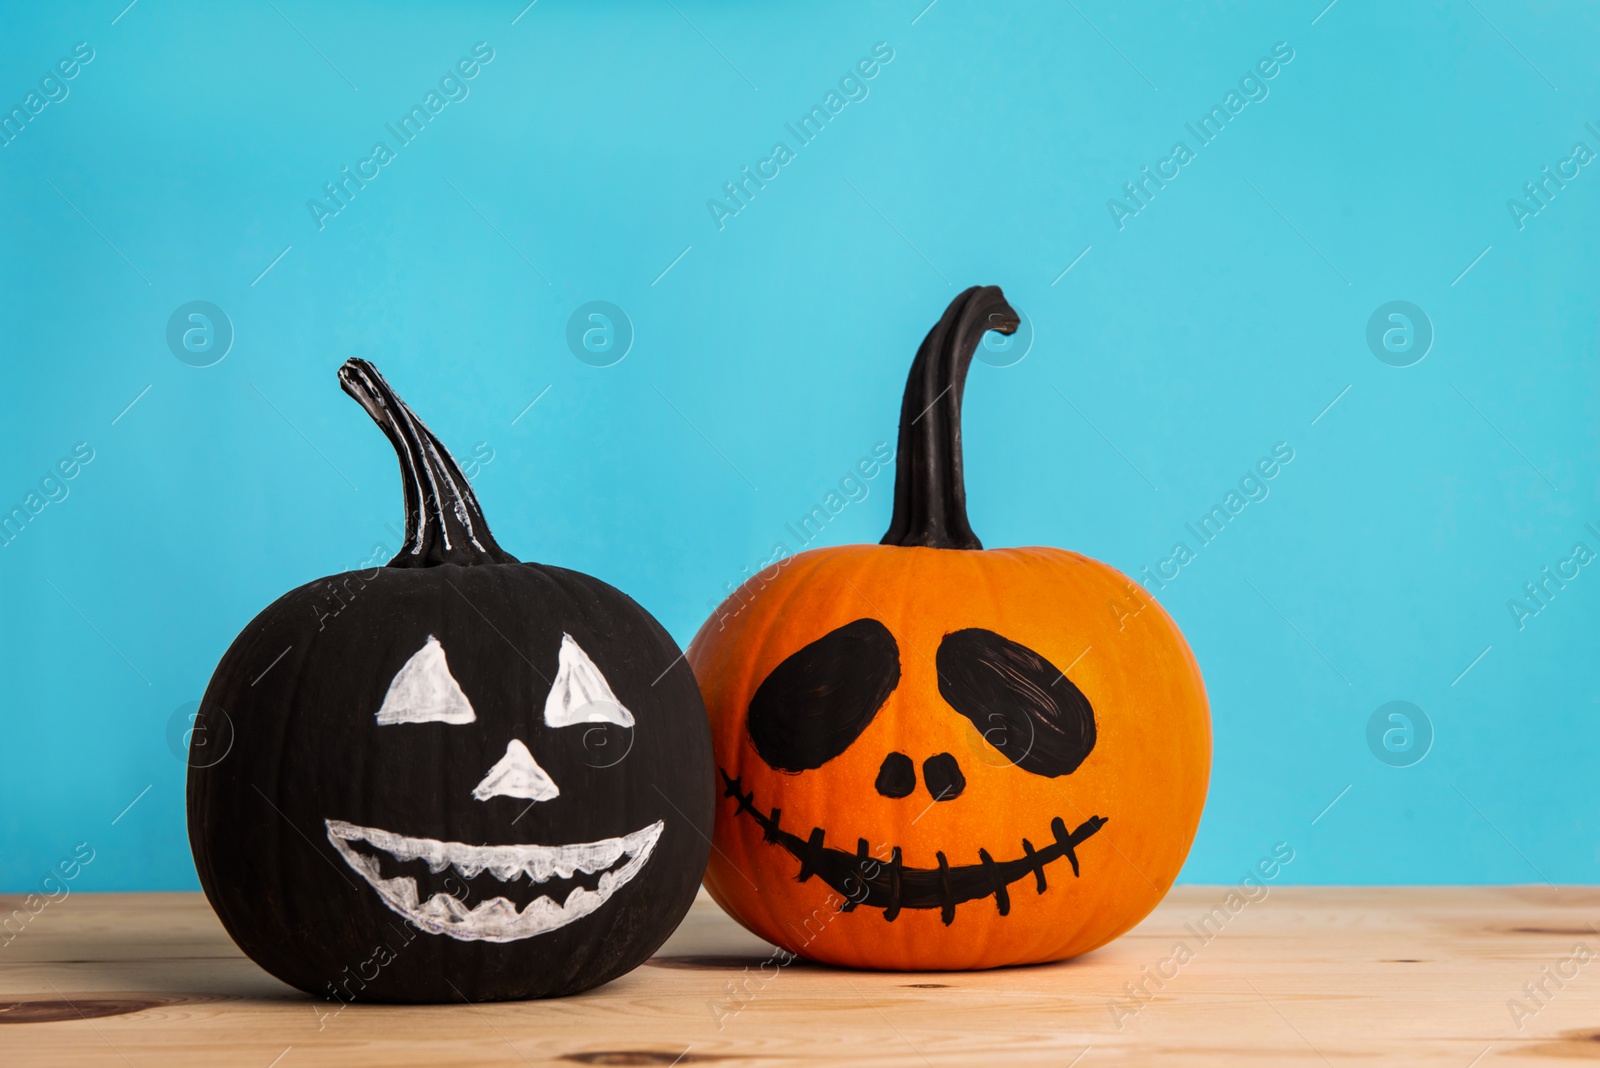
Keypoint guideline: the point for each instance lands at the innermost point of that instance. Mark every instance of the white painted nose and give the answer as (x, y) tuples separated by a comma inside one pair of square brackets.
[(517, 774)]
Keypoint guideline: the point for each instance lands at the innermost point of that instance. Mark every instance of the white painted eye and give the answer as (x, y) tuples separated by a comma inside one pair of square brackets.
[(580, 693), (517, 774), (424, 691)]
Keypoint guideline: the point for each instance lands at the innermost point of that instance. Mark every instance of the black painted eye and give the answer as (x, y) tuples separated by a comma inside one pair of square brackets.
[(822, 697), (1018, 701)]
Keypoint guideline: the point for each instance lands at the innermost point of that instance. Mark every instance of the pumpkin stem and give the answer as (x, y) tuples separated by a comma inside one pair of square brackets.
[(444, 524), (930, 495)]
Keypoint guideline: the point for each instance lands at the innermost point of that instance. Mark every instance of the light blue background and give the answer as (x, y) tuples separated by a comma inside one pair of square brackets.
[(1224, 318)]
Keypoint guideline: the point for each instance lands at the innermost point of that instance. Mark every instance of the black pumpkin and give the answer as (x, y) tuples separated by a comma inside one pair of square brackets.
[(454, 777)]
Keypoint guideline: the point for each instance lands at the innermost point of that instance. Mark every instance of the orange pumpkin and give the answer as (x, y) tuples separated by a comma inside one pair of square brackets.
[(936, 756)]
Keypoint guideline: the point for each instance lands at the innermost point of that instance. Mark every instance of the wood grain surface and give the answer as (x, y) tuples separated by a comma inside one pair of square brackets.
[(1316, 976)]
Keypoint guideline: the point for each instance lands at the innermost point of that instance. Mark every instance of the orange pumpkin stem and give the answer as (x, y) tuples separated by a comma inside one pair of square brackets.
[(930, 494)]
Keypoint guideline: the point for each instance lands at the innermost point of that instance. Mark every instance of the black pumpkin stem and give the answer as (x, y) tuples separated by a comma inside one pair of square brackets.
[(444, 524), (930, 495)]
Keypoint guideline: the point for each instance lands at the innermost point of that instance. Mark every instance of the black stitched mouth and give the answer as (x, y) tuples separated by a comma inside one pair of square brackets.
[(891, 886)]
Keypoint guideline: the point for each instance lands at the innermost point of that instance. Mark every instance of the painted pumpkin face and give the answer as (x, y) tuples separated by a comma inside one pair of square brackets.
[(938, 756), (560, 884), (457, 776)]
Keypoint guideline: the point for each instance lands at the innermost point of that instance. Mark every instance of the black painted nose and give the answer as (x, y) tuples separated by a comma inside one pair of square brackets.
[(942, 776), (897, 777)]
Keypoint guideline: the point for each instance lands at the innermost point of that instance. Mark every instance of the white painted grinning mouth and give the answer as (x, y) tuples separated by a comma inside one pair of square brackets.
[(496, 919)]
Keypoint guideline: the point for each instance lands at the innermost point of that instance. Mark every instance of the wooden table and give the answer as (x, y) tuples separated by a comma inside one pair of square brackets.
[(1304, 976)]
